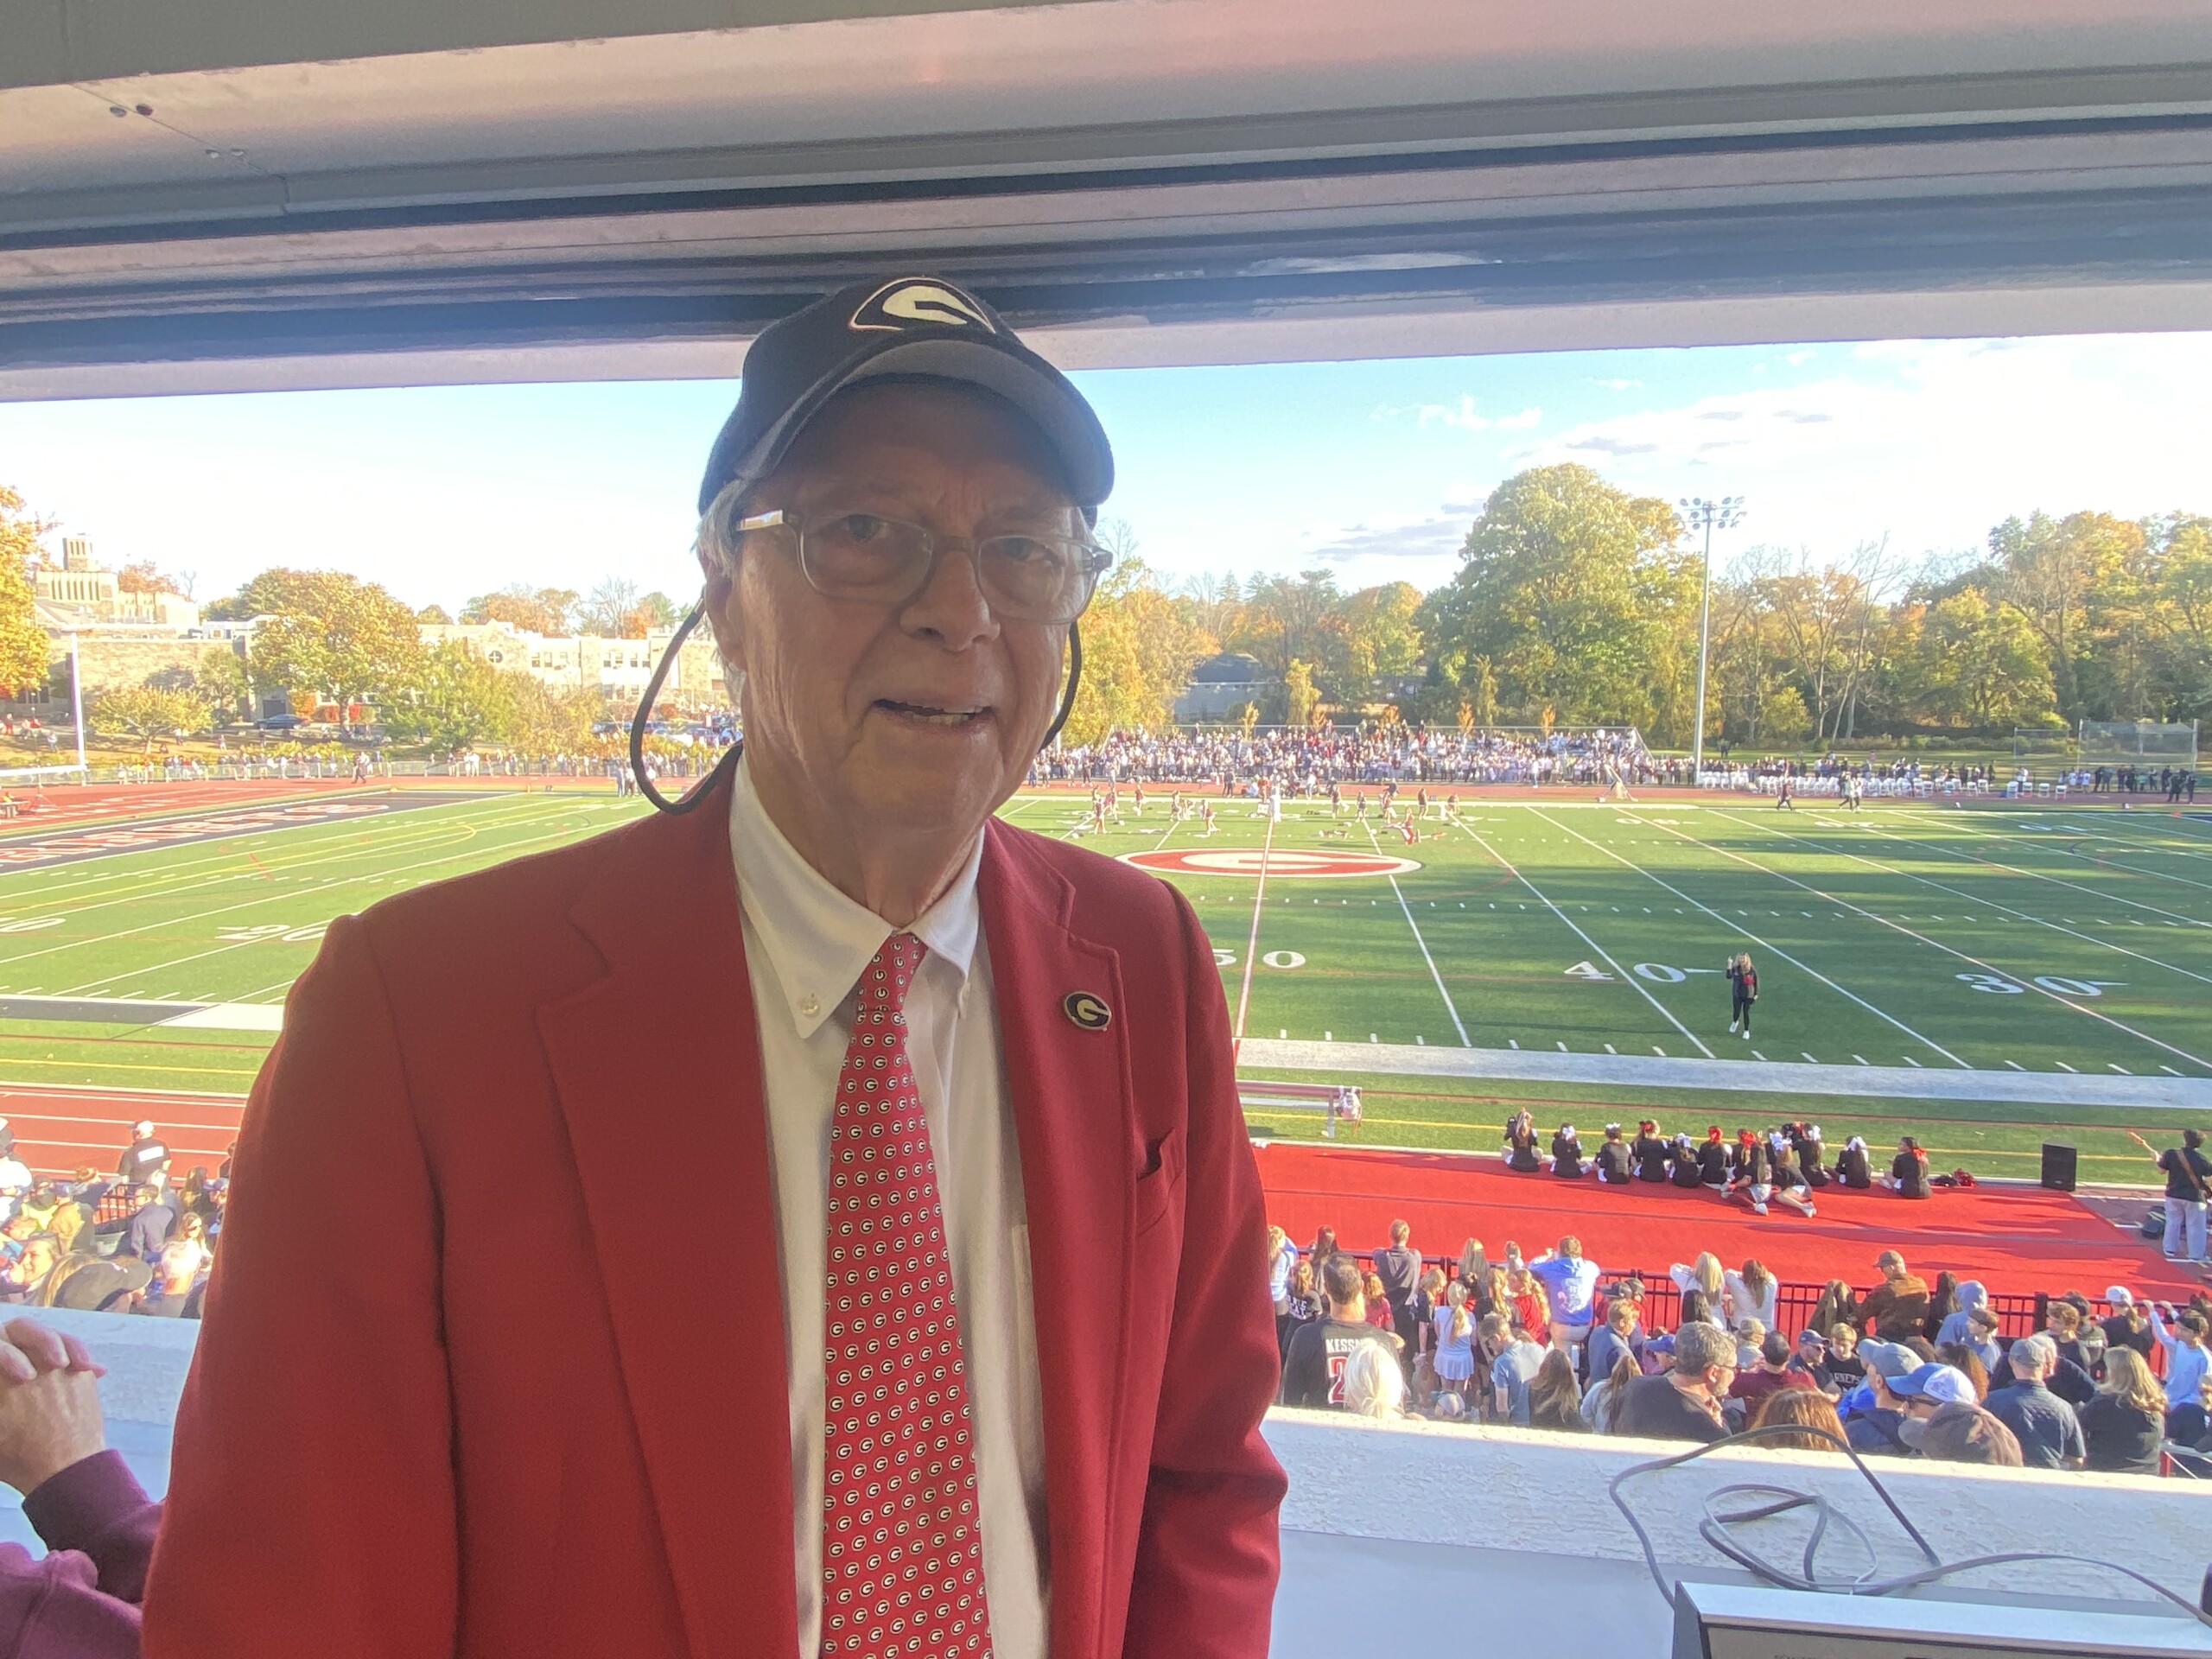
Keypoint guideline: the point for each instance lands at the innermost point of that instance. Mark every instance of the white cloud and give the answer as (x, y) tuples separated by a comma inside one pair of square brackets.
[(1931, 442), (1462, 414), (1619, 385), (1428, 537)]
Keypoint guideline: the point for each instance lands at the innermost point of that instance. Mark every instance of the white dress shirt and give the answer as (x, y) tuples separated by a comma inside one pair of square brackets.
[(805, 946)]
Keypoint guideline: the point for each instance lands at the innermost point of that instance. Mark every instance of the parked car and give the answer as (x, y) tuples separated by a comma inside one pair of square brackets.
[(280, 722)]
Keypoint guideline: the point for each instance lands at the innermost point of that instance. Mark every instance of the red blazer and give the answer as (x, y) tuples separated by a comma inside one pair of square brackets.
[(493, 1360)]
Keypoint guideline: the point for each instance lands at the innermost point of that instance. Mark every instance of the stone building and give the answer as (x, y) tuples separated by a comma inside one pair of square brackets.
[(122, 638), (80, 593), (617, 668)]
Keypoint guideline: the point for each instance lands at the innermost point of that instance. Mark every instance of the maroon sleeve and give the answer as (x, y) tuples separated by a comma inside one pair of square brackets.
[(1208, 1548), (51, 1609), (97, 1508)]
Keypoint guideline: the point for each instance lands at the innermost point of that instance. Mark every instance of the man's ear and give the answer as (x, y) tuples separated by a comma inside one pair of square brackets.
[(719, 597)]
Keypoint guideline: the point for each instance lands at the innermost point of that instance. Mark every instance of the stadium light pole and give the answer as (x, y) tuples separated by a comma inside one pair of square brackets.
[(77, 708), (1700, 514)]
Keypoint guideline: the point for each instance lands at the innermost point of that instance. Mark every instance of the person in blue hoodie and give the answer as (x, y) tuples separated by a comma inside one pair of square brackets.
[(1972, 1293)]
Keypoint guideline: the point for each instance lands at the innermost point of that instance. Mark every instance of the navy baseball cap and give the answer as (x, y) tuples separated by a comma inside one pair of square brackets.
[(906, 325)]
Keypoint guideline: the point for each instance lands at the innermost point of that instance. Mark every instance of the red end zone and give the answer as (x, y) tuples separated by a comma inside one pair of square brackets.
[(1274, 865)]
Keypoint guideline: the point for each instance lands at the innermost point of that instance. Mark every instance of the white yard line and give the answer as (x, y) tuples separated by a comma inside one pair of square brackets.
[(1464, 1041), (225, 854), (2060, 881), (2047, 844), (411, 837), (1949, 950), (2184, 827), (1626, 977), (1768, 946), (1252, 943), (1743, 1077), (250, 903), (1986, 903)]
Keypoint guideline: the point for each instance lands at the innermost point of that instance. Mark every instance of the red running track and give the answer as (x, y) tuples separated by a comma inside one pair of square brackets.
[(56, 1129), (70, 805), (2014, 1239)]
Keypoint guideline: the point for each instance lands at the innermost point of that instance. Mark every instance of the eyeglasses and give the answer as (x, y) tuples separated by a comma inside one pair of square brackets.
[(1025, 576)]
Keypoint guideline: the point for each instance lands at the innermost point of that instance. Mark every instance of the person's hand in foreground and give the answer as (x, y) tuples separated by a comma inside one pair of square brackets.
[(49, 1404), (80, 1600)]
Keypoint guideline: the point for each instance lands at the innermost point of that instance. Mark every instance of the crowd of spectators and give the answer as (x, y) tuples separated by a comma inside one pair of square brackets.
[(1834, 774), (134, 1241), (1904, 1368), (2172, 783), (1305, 761)]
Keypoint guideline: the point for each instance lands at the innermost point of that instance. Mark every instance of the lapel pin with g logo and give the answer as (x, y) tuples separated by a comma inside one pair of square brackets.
[(1087, 1010)]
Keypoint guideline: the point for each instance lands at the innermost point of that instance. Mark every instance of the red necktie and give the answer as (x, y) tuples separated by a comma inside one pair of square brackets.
[(902, 1559)]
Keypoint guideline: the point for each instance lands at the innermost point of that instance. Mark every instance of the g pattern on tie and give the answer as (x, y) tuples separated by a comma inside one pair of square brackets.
[(902, 1570)]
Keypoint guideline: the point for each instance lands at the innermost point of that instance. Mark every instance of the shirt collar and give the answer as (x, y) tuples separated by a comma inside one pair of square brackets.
[(816, 939)]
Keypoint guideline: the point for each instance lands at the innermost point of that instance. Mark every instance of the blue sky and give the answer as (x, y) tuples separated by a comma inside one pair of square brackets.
[(1373, 469)]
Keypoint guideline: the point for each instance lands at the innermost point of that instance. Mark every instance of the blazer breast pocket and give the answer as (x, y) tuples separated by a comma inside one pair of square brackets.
[(1157, 1188)]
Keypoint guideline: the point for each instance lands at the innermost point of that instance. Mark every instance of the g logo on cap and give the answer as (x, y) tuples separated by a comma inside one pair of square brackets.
[(912, 300), (1087, 1010)]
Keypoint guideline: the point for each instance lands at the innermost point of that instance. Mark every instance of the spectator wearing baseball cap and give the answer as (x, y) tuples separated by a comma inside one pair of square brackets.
[(1894, 1309), (1873, 1414), (1926, 1387), (145, 1162), (2049, 1433), (895, 550), (1808, 1363), (2129, 1326)]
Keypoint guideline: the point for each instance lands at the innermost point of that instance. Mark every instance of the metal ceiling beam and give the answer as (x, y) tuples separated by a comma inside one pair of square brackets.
[(2001, 203)]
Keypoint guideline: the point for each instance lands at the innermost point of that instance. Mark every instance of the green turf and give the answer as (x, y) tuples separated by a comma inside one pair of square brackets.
[(232, 920), (1874, 936), (1898, 936)]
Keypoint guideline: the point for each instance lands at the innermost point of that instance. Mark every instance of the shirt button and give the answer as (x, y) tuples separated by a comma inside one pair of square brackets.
[(809, 1006)]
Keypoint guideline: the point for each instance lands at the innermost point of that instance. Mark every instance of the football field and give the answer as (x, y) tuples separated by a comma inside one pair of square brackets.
[(1985, 976)]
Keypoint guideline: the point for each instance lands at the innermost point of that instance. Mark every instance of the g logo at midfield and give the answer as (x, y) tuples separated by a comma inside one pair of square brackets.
[(1086, 1010), (914, 300)]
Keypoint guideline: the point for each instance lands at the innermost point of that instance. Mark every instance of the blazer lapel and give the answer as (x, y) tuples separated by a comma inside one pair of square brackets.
[(1069, 1090), (657, 1068)]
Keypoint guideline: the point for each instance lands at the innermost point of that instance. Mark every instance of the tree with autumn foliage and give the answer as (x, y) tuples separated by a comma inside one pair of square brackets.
[(550, 611), (330, 637), (1140, 644), (24, 648), (150, 713)]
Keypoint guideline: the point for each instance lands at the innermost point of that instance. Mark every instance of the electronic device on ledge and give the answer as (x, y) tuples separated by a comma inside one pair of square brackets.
[(1737, 1621)]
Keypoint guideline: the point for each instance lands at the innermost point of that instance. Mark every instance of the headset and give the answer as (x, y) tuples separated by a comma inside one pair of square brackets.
[(705, 787)]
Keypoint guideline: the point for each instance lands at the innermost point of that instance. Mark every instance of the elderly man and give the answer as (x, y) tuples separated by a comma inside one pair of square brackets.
[(989, 1373), (2049, 1432), (1683, 1403)]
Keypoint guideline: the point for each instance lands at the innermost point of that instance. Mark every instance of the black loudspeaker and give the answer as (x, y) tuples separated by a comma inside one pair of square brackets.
[(2058, 1161)]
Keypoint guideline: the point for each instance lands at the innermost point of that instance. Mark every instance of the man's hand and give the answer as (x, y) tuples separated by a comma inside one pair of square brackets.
[(49, 1404)]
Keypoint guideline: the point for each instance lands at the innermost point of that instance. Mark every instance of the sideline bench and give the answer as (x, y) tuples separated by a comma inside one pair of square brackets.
[(1338, 1102)]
